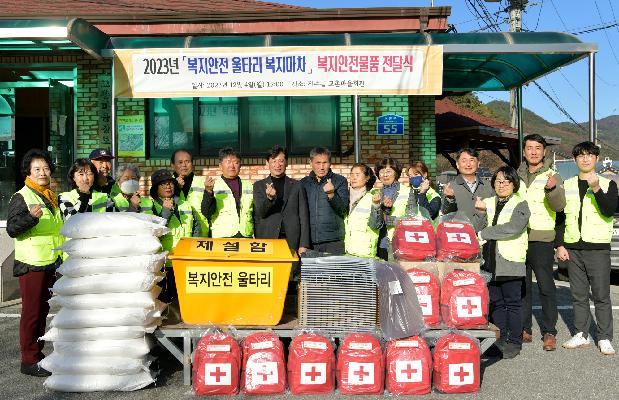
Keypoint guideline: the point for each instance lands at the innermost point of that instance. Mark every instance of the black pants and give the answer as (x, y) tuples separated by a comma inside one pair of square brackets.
[(506, 308), (336, 247), (591, 269), (540, 259), (168, 286)]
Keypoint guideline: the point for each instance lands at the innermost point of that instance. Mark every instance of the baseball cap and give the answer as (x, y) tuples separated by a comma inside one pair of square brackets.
[(98, 154)]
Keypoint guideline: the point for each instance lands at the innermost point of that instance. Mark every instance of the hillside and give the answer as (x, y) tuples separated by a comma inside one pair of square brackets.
[(570, 134)]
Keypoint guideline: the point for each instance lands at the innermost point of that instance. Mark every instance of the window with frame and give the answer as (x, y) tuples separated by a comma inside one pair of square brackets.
[(251, 124)]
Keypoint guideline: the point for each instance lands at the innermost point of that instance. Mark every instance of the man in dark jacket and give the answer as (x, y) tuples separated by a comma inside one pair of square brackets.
[(461, 194), (280, 206), (102, 159), (327, 200)]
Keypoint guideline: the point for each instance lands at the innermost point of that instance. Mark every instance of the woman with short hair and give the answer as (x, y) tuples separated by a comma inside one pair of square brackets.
[(395, 200), (82, 198), (34, 222), (126, 190), (421, 183), (504, 254)]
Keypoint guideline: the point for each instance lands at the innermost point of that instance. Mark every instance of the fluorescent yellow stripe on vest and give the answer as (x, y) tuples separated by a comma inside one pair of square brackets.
[(596, 228), (514, 249)]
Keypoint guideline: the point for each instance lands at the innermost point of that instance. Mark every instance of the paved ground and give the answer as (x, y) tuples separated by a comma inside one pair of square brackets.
[(535, 374)]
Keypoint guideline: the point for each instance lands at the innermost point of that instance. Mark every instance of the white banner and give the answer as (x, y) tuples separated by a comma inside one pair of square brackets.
[(279, 71)]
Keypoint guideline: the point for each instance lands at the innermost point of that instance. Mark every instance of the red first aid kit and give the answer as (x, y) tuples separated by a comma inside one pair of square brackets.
[(428, 294), (414, 239), (456, 241), (360, 365), (464, 300), (409, 366), (216, 365), (264, 368), (311, 365), (456, 364)]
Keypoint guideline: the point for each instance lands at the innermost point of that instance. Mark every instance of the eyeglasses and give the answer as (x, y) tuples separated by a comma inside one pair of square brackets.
[(503, 183), (386, 172)]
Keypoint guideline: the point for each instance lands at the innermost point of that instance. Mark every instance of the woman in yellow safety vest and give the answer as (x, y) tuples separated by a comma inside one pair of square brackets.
[(126, 191), (364, 216), (504, 254), (395, 199), (34, 222), (181, 222), (82, 198), (427, 197)]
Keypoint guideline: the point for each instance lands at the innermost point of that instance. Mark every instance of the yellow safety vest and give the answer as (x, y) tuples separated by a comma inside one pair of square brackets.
[(178, 229), (542, 216), (36, 246), (360, 239), (226, 222), (122, 204), (514, 249), (98, 201), (596, 228), (194, 198), (399, 207)]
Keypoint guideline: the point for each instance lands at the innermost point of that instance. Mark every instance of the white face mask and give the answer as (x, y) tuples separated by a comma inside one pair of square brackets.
[(130, 186)]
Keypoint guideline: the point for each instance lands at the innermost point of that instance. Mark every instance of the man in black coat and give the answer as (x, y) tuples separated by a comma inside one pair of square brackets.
[(327, 200), (280, 206)]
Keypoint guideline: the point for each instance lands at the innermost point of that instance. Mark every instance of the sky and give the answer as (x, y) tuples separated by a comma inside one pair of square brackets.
[(568, 86)]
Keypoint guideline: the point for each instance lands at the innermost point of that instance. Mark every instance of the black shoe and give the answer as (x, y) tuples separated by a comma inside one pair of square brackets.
[(510, 350), (34, 370)]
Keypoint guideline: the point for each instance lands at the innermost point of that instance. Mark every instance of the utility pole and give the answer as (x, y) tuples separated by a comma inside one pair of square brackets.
[(516, 8)]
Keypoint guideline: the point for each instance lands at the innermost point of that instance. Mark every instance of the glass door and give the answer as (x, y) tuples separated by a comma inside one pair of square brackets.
[(61, 132)]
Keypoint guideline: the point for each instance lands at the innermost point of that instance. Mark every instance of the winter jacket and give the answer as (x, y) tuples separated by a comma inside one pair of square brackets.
[(326, 216), (464, 201)]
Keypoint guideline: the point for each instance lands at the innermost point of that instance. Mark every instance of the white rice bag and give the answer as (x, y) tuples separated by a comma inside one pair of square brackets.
[(106, 283), (98, 383), (132, 348), (106, 247), (92, 225), (75, 267), (69, 318), (107, 300), (76, 365), (97, 333)]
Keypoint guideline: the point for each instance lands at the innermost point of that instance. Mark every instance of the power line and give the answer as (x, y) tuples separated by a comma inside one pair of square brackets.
[(612, 48), (599, 27), (539, 14), (612, 10), (559, 15)]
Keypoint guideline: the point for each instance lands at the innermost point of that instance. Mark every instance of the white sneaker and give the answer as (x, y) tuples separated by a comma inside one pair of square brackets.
[(578, 341), (606, 347)]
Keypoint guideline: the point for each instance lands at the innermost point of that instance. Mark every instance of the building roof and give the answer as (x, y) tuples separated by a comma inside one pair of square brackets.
[(85, 8), (458, 127), (449, 115)]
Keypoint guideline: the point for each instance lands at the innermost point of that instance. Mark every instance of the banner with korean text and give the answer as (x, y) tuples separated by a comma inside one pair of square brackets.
[(279, 71)]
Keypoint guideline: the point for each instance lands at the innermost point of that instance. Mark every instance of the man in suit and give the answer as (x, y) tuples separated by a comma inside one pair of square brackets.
[(280, 206)]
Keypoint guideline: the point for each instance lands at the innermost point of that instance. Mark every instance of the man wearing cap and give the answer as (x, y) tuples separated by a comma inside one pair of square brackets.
[(102, 159), (180, 220), (189, 186), (229, 200)]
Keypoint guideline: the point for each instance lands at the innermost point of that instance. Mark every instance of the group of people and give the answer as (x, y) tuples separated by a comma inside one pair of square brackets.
[(521, 218)]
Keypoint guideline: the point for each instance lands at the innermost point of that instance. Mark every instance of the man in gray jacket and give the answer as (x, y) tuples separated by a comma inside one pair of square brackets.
[(461, 194), (543, 189)]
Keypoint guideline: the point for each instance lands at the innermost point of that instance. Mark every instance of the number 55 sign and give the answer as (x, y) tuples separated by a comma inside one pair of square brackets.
[(390, 125)]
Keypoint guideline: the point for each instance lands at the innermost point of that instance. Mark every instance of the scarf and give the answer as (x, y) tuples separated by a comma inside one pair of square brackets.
[(44, 191), (356, 195)]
